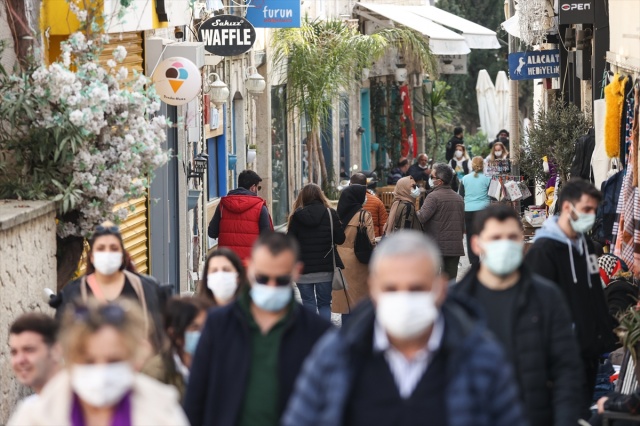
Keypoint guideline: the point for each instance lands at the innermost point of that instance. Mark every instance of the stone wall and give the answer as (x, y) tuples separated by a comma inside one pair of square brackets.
[(27, 266)]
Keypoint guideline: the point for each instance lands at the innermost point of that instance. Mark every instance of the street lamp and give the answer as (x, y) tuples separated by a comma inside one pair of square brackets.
[(254, 81), (199, 167), (217, 88)]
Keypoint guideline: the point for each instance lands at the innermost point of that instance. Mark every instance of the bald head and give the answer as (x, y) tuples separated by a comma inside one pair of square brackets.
[(358, 179)]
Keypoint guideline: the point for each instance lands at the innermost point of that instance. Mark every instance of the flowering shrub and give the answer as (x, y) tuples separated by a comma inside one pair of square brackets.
[(79, 133)]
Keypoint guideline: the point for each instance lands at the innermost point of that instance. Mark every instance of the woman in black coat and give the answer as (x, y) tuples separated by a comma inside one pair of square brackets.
[(311, 226)]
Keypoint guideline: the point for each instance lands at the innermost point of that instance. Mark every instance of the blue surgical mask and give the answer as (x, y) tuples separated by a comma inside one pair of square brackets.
[(502, 257), (415, 193), (583, 223), (270, 298), (191, 339)]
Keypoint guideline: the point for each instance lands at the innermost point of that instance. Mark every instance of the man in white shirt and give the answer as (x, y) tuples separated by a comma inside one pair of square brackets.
[(35, 354), (410, 356)]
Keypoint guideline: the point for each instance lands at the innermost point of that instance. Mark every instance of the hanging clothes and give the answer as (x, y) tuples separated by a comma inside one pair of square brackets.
[(600, 161), (614, 96), (627, 121)]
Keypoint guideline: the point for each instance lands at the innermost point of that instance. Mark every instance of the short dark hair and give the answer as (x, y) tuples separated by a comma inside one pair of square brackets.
[(39, 323), (443, 172), (505, 131), (358, 179), (277, 242), (457, 131), (403, 162), (573, 190), (248, 178), (499, 212)]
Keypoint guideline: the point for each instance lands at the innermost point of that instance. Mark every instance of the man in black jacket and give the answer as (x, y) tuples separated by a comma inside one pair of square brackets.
[(562, 254), (251, 351), (458, 135), (529, 316), (420, 171)]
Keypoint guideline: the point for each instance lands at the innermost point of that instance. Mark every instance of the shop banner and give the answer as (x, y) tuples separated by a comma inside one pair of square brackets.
[(532, 65), (227, 35), (274, 13), (177, 81), (575, 12)]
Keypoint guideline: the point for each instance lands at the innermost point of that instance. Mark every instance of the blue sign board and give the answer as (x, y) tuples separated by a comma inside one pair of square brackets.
[(274, 13), (532, 65)]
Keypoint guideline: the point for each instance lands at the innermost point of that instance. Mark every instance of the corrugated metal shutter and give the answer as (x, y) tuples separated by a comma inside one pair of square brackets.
[(134, 228)]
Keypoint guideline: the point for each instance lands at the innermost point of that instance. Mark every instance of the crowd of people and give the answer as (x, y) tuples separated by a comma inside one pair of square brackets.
[(516, 340)]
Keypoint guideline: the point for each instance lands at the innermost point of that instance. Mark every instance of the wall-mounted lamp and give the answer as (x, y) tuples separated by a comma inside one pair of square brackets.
[(217, 88), (428, 84), (199, 167), (254, 81), (360, 131)]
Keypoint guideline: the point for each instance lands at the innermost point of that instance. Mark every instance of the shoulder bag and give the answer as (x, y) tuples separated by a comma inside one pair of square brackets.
[(338, 282)]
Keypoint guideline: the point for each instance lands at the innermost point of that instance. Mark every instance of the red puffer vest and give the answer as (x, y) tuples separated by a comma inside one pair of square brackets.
[(239, 223)]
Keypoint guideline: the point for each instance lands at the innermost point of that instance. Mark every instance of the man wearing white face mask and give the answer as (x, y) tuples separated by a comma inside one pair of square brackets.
[(250, 351), (411, 356), (543, 350), (562, 254)]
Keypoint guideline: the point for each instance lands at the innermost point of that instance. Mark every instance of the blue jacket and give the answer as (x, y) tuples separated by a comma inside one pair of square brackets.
[(481, 389)]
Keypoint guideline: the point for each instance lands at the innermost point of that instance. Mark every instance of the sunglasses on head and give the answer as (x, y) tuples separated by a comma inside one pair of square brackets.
[(111, 313), (106, 230), (281, 280)]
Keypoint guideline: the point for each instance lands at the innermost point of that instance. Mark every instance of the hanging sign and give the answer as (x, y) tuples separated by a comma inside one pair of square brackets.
[(575, 12), (227, 35), (274, 13), (532, 65), (177, 81)]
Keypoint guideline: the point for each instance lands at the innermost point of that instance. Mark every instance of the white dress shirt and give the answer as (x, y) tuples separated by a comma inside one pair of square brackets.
[(408, 372)]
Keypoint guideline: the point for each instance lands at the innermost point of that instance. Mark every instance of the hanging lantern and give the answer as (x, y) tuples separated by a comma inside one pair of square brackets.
[(217, 89)]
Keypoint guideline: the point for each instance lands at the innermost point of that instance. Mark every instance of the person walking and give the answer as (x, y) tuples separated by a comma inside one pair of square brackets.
[(99, 384), (460, 162), (241, 216), (442, 217), (311, 225), (183, 321), (34, 351), (562, 254), (474, 189), (420, 171), (403, 210), (456, 139), (251, 351), (398, 172), (510, 294), (355, 273), (223, 278), (374, 205), (410, 356)]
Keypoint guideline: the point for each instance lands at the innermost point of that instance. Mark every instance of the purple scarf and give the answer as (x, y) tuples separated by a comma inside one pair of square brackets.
[(121, 416)]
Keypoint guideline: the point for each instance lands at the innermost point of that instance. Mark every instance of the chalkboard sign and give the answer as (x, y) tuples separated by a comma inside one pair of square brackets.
[(227, 35)]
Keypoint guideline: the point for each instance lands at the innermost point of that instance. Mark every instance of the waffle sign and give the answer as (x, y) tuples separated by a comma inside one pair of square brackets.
[(227, 35)]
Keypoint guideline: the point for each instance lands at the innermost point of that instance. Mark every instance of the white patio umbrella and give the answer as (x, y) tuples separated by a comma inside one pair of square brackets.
[(502, 100), (487, 108)]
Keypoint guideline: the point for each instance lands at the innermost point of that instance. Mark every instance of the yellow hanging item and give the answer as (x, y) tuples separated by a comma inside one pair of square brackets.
[(614, 98)]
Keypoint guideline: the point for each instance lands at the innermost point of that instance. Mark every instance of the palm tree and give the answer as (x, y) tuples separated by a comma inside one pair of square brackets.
[(436, 108), (322, 58)]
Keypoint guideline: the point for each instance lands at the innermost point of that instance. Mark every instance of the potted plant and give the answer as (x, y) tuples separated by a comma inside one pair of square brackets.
[(375, 146), (232, 160), (251, 153), (192, 198), (628, 332)]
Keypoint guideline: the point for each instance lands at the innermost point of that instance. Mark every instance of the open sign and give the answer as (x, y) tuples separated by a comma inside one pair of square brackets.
[(227, 35)]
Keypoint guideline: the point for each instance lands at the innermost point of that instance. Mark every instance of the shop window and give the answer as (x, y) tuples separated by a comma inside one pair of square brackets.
[(280, 178), (212, 173)]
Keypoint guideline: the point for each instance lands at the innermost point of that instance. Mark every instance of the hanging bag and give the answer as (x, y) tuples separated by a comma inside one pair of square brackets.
[(526, 192), (513, 190), (338, 282), (362, 245)]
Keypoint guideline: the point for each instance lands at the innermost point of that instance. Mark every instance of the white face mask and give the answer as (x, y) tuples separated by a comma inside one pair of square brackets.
[(107, 262), (102, 385), (497, 153), (272, 299), (223, 284), (415, 192), (405, 315), (423, 167), (502, 257), (431, 183), (458, 154)]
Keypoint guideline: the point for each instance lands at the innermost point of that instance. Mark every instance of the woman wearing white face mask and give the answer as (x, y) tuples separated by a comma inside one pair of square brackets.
[(99, 386), (460, 162), (402, 214), (110, 275), (224, 277), (184, 318), (498, 153)]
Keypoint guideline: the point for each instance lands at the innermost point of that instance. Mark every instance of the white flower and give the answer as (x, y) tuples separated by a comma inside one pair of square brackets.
[(123, 73), (77, 118), (119, 53), (82, 15), (111, 63)]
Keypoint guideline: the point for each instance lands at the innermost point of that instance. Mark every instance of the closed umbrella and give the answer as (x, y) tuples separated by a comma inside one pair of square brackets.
[(502, 100), (487, 108)]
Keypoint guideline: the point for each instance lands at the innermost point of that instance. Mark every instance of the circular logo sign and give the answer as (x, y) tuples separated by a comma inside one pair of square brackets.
[(177, 81), (566, 7), (227, 35)]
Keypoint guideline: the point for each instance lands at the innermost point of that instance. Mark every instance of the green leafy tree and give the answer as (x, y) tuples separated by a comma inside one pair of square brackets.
[(438, 112), (322, 59)]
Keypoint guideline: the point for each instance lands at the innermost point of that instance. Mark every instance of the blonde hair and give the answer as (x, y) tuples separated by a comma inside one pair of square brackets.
[(477, 165), (82, 320), (505, 153)]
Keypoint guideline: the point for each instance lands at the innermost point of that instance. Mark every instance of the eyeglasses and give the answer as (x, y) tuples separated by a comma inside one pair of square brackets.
[(281, 280), (111, 313)]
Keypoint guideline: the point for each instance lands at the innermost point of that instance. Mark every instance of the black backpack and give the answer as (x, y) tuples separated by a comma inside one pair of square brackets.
[(362, 245)]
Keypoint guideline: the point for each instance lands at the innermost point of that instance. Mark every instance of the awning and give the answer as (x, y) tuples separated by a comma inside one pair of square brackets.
[(429, 21)]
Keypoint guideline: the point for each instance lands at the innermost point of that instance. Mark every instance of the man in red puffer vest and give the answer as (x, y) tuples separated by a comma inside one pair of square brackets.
[(241, 216)]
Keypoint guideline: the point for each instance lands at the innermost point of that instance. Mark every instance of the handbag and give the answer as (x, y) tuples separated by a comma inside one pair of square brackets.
[(338, 282), (362, 245), (526, 192), (513, 190), (495, 190)]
